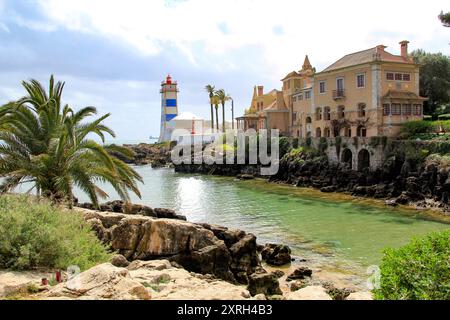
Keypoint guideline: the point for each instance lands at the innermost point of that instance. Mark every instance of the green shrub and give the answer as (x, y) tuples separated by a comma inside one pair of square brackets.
[(36, 234), (418, 271), (285, 146), (412, 128)]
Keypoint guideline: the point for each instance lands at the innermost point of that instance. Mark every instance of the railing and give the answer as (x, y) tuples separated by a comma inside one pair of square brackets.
[(338, 94)]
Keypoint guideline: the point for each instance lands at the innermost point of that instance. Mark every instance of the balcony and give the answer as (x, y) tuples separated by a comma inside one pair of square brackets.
[(338, 94)]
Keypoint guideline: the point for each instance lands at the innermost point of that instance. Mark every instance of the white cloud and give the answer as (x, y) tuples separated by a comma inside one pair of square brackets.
[(323, 29)]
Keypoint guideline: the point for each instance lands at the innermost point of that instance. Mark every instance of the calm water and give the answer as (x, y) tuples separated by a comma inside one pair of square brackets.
[(333, 228)]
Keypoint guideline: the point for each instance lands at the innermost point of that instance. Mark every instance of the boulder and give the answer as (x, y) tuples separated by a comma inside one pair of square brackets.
[(226, 253), (299, 274), (309, 293), (104, 281), (264, 283), (119, 260), (276, 254)]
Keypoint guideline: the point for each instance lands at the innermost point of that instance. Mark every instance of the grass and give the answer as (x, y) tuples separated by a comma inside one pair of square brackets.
[(36, 234)]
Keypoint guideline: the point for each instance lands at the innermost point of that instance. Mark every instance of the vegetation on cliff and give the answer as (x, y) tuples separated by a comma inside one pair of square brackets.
[(38, 234), (417, 271), (50, 145)]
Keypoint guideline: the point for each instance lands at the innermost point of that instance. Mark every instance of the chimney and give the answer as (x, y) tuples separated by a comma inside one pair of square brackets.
[(260, 91), (404, 49)]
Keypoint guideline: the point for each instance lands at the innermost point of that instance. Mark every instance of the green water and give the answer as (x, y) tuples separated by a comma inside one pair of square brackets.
[(327, 227)]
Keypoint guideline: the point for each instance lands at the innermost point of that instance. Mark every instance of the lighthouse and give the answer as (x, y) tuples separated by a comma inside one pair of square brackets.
[(169, 108)]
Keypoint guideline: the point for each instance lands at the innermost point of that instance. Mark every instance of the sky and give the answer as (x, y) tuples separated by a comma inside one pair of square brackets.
[(114, 54)]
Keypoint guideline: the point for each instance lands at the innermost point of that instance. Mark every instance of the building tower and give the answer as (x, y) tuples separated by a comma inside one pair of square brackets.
[(169, 108)]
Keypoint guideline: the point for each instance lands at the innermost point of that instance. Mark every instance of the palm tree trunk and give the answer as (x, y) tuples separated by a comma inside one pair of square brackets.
[(212, 117), (232, 114), (223, 117), (217, 118)]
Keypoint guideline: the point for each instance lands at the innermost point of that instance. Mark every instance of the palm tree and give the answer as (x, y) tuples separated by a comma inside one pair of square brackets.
[(47, 144), (223, 98), (215, 101), (211, 91)]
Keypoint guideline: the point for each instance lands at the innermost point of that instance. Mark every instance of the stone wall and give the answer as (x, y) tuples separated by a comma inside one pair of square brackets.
[(358, 151)]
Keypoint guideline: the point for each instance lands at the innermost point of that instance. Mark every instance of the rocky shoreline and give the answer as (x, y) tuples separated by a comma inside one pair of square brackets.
[(156, 155), (170, 258)]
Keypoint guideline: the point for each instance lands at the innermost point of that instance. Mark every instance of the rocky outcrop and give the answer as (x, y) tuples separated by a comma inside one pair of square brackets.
[(207, 249), (104, 281), (157, 155), (398, 180), (144, 280), (276, 254), (120, 206), (264, 283), (299, 273)]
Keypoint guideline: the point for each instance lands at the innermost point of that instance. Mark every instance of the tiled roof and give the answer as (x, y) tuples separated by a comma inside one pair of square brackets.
[(290, 75), (373, 54)]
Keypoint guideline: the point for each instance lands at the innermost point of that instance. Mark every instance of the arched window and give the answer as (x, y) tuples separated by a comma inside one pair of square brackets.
[(347, 132), (361, 110), (308, 119), (319, 114), (361, 131), (326, 132), (363, 159), (318, 132), (327, 113)]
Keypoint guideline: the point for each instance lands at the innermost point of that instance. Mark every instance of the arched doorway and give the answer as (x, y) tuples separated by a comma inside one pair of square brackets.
[(347, 157), (363, 159)]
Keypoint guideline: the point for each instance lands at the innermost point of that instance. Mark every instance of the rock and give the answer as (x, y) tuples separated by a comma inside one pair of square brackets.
[(278, 273), (309, 293), (276, 254), (228, 254), (264, 283), (328, 189), (299, 274), (298, 284), (119, 260), (363, 295), (20, 282), (259, 297), (104, 281)]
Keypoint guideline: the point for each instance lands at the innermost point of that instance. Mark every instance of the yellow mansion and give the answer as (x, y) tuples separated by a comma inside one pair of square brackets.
[(366, 93)]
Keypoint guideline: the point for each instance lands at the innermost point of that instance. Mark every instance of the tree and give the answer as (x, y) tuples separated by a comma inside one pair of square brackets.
[(211, 91), (47, 144), (434, 79), (223, 98), (215, 101), (445, 18)]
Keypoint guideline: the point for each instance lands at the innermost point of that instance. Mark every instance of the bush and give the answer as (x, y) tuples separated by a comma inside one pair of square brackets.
[(36, 234), (412, 128), (285, 146), (418, 271)]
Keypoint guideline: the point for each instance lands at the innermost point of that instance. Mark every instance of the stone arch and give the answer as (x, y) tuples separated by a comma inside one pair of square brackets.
[(363, 159), (327, 132), (318, 132), (347, 157), (308, 120)]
